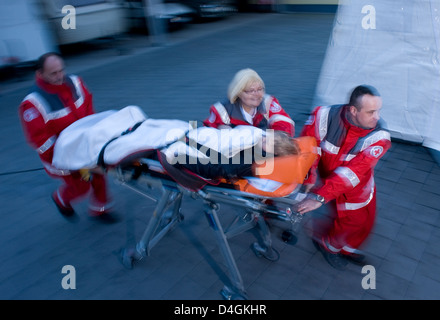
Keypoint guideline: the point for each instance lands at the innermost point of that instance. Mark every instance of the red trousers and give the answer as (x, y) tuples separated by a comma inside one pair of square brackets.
[(349, 228), (74, 188)]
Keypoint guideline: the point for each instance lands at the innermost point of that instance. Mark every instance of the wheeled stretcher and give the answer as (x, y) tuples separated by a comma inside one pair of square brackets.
[(267, 194), (146, 174)]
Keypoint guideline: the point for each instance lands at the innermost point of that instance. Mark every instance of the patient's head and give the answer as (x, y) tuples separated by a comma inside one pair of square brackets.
[(283, 144)]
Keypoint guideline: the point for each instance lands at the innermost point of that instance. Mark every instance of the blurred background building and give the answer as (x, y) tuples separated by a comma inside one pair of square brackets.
[(29, 28)]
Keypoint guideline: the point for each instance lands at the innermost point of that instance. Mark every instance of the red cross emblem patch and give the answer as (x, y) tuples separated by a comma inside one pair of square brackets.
[(376, 151)]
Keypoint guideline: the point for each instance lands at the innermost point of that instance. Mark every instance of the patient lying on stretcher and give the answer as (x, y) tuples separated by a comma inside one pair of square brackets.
[(273, 167), (267, 163)]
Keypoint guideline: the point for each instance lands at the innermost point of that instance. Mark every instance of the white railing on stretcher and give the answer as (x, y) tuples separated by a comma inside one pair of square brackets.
[(167, 213)]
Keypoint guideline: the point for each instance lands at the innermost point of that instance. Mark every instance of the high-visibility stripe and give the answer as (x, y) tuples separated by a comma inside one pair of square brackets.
[(279, 117), (267, 101), (43, 107), (366, 142), (266, 185), (330, 247), (375, 137), (348, 174), (323, 122), (356, 205), (223, 113), (350, 249), (46, 146), (329, 147), (59, 172), (79, 91), (60, 199)]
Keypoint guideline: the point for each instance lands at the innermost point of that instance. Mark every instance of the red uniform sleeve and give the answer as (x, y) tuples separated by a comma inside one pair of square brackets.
[(279, 119), (358, 171), (214, 120), (34, 127)]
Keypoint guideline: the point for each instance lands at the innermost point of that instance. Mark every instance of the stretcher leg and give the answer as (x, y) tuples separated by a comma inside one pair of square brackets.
[(253, 218), (236, 290), (290, 236), (264, 248), (150, 238), (162, 221), (240, 225)]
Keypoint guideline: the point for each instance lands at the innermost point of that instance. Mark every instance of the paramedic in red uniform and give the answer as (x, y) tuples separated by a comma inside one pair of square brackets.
[(248, 104), (56, 101), (351, 139)]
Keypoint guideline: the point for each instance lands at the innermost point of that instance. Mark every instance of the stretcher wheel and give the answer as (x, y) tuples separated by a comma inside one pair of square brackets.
[(268, 253), (289, 237), (126, 257)]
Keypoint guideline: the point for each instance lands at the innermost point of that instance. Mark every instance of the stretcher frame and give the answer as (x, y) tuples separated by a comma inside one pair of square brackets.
[(167, 214)]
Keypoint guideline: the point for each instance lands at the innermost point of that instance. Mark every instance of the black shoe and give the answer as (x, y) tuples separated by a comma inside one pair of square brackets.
[(356, 258), (336, 260), (66, 212)]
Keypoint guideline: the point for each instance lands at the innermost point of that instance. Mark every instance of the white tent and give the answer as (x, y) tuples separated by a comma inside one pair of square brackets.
[(394, 46)]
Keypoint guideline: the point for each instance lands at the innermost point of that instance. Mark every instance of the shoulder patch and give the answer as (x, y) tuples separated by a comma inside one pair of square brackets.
[(275, 107), (376, 151), (30, 114)]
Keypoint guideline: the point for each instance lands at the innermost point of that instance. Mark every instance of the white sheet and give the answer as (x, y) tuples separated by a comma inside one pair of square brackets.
[(79, 145)]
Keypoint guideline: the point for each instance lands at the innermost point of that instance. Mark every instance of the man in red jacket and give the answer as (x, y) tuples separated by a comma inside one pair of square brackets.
[(56, 101), (351, 140)]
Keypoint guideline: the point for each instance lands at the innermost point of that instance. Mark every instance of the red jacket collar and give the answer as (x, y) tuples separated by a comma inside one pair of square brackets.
[(51, 88)]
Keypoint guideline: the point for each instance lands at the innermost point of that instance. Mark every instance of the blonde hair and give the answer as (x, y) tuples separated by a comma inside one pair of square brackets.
[(284, 144), (279, 144), (240, 81)]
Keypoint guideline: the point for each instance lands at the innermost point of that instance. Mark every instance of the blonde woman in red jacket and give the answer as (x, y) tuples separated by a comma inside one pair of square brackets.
[(248, 104)]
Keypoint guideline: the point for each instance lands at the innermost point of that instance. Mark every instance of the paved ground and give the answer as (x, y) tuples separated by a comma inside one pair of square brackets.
[(181, 80)]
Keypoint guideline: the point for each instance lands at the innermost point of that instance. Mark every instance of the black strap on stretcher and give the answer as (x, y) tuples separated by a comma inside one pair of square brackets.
[(100, 161)]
